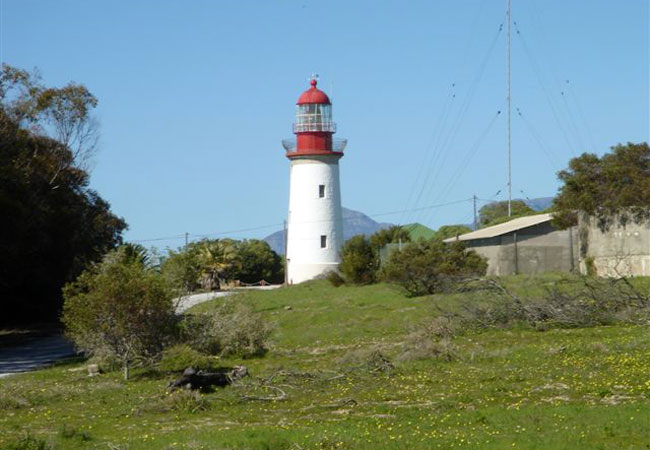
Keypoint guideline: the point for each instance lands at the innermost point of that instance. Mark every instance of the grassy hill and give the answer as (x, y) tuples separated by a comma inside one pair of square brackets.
[(339, 356)]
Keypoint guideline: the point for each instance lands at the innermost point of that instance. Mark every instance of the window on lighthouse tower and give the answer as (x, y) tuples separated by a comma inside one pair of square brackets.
[(321, 191), (323, 241)]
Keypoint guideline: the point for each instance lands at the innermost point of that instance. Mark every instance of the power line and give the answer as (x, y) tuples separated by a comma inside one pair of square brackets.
[(428, 162), (221, 233), (545, 149), (421, 208), (447, 138), (168, 238), (431, 156), (581, 115), (469, 155), (537, 69)]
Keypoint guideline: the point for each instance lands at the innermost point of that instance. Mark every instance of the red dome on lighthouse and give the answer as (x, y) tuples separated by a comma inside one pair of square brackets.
[(313, 95)]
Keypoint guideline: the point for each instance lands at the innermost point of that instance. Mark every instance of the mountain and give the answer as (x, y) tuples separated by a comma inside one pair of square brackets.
[(539, 204), (354, 222)]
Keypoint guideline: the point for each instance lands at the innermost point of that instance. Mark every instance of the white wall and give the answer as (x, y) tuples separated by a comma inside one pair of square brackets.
[(311, 216)]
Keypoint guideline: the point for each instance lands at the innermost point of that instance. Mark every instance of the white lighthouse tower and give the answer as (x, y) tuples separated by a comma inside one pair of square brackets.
[(315, 221)]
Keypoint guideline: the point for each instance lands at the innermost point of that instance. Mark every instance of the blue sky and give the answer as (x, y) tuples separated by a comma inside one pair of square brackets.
[(196, 96)]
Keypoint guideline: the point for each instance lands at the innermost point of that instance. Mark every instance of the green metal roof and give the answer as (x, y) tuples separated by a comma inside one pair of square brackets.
[(417, 231)]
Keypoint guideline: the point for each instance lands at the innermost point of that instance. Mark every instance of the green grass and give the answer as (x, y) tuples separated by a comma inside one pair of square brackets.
[(518, 388)]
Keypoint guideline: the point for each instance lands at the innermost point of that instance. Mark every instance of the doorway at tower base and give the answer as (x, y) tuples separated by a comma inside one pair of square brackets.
[(299, 273)]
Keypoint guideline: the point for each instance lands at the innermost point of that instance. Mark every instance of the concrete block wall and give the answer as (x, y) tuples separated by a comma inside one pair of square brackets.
[(618, 251)]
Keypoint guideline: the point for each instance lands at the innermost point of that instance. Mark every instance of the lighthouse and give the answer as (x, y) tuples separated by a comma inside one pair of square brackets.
[(315, 222)]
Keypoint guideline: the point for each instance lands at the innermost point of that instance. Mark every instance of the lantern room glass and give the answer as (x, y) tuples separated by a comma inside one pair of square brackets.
[(313, 113), (314, 117)]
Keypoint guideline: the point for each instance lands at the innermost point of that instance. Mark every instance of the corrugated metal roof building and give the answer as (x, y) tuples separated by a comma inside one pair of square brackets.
[(528, 244)]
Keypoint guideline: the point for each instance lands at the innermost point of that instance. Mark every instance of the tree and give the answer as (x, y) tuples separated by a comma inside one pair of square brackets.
[(182, 270), (120, 308), (497, 212), (449, 231), (428, 267), (63, 114), (358, 260), (613, 187), (218, 262), (211, 263), (390, 235), (259, 262), (54, 229)]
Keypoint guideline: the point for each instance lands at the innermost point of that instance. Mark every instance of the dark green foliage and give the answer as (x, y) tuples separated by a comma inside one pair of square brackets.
[(29, 442), (257, 261), (392, 234), (120, 308), (428, 267), (449, 231), (335, 279), (54, 225), (358, 261), (55, 230), (182, 269), (497, 212), (209, 264), (360, 255), (613, 187)]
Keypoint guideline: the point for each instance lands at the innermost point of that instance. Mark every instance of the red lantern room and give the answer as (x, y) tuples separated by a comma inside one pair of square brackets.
[(314, 126)]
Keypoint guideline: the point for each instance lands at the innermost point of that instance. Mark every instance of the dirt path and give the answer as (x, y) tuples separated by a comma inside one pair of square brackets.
[(187, 302)]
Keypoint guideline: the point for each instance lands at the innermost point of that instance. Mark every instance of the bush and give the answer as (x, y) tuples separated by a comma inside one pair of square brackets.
[(358, 261), (13, 400), (567, 304), (182, 270), (335, 279), (427, 267), (232, 329), (28, 442), (120, 308), (181, 401), (181, 356), (390, 235), (434, 339), (70, 432), (591, 302)]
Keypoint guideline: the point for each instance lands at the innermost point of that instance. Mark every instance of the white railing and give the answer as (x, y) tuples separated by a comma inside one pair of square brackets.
[(328, 127)]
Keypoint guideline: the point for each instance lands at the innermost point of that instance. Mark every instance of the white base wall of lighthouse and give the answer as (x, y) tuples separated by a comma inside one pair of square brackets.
[(305, 272), (315, 225)]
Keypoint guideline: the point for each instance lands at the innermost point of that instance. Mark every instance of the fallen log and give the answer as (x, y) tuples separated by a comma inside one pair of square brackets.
[(206, 380)]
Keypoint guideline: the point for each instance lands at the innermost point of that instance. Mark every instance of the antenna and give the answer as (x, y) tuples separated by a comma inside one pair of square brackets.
[(313, 76), (509, 118)]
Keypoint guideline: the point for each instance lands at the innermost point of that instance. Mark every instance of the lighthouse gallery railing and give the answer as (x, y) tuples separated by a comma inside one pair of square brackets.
[(328, 127)]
